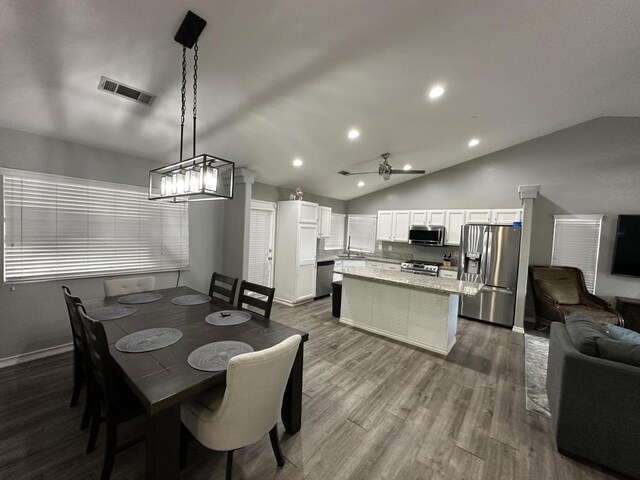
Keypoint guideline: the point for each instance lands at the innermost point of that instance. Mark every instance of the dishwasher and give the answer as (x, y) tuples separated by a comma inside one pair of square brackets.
[(324, 276)]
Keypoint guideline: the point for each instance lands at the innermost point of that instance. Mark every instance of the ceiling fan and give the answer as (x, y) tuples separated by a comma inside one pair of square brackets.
[(385, 170)]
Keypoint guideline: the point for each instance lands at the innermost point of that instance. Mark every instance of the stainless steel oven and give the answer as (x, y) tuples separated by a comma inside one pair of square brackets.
[(428, 235)]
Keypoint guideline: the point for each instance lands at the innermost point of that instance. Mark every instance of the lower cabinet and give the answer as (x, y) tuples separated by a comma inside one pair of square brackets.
[(306, 282), (448, 274)]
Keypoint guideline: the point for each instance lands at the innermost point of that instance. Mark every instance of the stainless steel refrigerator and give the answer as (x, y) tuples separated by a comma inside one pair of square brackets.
[(489, 254)]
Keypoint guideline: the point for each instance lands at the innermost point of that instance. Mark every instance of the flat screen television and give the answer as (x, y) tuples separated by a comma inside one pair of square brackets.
[(626, 253)]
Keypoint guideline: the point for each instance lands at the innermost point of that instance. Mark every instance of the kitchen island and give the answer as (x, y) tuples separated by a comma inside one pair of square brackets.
[(416, 309)]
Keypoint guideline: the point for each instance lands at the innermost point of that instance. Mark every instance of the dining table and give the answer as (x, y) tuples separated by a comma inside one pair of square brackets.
[(163, 380)]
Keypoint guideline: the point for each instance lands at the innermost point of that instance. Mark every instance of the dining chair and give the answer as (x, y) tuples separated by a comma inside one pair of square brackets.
[(111, 395), (125, 286), (80, 361), (226, 419), (217, 288), (257, 302)]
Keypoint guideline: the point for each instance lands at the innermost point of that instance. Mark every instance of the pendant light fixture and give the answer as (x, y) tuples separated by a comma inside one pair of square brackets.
[(201, 177)]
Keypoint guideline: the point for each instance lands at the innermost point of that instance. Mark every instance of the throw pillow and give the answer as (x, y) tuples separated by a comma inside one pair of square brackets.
[(623, 334), (584, 332), (563, 290), (618, 351)]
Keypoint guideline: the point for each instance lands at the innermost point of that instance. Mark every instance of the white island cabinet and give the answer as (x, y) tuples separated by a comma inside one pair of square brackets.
[(416, 309), (295, 272)]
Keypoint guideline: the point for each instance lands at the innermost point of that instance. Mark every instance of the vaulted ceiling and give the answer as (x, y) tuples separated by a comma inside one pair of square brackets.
[(287, 79)]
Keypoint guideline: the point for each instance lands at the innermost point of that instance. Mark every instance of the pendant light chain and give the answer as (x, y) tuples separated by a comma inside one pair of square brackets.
[(195, 94), (183, 92)]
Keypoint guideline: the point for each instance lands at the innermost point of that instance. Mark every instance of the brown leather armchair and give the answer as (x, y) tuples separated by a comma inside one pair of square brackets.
[(560, 291)]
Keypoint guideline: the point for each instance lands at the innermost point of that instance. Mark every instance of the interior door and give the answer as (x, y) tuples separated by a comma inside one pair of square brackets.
[(261, 242)]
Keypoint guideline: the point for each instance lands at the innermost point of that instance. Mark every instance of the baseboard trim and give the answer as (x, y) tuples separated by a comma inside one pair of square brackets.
[(30, 356), (518, 330)]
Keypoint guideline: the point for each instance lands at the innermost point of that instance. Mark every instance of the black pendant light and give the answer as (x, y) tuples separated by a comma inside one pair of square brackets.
[(204, 176)]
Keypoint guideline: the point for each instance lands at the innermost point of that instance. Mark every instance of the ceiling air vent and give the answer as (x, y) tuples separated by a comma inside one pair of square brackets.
[(122, 90)]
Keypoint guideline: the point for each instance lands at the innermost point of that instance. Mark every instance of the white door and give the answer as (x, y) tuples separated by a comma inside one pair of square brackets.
[(418, 217), (478, 216), (306, 270), (401, 226), (385, 225), (262, 227)]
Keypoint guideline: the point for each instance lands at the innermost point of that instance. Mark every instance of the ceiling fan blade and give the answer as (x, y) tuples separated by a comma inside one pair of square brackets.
[(347, 174), (410, 172)]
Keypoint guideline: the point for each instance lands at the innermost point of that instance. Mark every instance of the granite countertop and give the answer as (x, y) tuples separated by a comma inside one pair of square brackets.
[(411, 280)]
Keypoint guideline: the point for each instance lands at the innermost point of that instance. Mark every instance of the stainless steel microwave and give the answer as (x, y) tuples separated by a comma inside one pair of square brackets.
[(428, 235)]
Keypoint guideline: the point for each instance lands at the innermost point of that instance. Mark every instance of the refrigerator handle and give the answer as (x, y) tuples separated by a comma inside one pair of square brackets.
[(483, 261)]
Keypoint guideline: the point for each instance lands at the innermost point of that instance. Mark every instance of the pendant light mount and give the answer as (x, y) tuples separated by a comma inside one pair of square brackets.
[(204, 176)]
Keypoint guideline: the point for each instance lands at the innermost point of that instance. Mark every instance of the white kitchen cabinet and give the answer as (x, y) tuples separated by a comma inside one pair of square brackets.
[(295, 266), (401, 226), (436, 217), (324, 222), (393, 225), (506, 216), (392, 266), (418, 217), (478, 216), (448, 274), (454, 221), (385, 225)]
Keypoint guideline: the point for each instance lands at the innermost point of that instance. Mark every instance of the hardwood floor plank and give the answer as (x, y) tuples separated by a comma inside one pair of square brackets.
[(373, 409)]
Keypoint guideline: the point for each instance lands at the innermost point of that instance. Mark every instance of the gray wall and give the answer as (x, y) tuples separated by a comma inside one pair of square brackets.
[(33, 316), (270, 193), (593, 167)]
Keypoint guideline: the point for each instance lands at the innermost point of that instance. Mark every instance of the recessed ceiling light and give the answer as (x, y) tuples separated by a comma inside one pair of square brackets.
[(436, 92), (353, 134), (361, 183), (407, 167), (473, 142), (297, 162)]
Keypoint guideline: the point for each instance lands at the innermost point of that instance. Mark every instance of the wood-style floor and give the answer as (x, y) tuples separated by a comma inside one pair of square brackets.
[(373, 409)]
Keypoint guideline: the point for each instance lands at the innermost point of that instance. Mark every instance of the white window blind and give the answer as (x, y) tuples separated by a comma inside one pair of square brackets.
[(576, 243), (60, 227), (261, 225), (336, 240), (362, 230)]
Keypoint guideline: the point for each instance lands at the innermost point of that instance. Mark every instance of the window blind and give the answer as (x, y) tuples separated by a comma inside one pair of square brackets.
[(576, 243), (61, 227), (260, 247), (362, 230), (336, 240)]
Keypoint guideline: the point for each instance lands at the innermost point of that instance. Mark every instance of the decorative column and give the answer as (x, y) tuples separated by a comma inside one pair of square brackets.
[(527, 193), (237, 213)]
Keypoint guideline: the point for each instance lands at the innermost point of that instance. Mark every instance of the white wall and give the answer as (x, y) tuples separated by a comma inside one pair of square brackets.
[(593, 167), (33, 316)]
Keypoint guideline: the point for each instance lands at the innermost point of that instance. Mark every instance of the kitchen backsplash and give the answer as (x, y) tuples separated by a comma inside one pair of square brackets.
[(429, 254)]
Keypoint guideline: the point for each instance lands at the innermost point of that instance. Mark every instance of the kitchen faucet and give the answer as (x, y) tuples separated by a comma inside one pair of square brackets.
[(349, 247)]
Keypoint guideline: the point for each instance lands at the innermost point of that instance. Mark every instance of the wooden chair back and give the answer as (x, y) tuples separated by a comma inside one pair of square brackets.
[(264, 304), (79, 342), (223, 287), (99, 357)]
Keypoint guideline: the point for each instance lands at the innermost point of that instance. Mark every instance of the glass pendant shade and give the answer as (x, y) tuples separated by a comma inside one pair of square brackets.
[(204, 177)]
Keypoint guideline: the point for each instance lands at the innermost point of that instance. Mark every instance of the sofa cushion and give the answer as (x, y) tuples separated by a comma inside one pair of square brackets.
[(623, 334), (584, 332), (619, 351), (563, 290)]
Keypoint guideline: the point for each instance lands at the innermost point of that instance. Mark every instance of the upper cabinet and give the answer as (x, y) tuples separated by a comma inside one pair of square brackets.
[(454, 220), (436, 217), (393, 226), (324, 222), (478, 216), (418, 217), (506, 217)]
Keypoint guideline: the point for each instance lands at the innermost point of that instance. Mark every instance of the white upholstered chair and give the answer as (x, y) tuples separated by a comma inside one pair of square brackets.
[(240, 415), (125, 286)]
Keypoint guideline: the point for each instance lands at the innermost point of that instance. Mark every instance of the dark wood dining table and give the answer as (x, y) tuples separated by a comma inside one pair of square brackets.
[(162, 379)]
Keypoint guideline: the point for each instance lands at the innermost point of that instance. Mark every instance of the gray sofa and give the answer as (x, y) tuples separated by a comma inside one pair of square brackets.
[(595, 405)]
